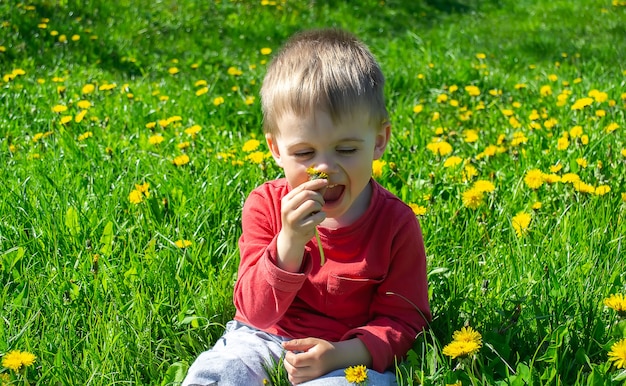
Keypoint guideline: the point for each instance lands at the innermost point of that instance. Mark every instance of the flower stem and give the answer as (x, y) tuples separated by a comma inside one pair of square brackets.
[(319, 245)]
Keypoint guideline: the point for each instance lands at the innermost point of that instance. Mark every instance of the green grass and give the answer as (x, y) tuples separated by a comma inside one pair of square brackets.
[(96, 287)]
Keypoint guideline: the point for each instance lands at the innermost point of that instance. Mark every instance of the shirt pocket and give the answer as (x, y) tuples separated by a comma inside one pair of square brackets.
[(350, 297)]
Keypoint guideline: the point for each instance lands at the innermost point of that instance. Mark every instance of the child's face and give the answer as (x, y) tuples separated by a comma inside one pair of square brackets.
[(344, 151)]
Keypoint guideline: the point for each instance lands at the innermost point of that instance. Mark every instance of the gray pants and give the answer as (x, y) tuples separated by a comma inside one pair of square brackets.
[(239, 356)]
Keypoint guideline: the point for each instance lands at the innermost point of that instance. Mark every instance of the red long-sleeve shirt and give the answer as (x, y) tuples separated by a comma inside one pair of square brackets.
[(373, 285)]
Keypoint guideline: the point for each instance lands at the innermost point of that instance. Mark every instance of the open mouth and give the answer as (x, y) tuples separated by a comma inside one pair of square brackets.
[(333, 193)]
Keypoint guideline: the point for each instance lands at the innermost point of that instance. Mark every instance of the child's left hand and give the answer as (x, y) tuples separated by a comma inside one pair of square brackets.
[(308, 358)]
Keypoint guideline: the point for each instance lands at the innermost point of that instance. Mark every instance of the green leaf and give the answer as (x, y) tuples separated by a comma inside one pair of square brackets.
[(71, 221), (107, 239), (175, 374)]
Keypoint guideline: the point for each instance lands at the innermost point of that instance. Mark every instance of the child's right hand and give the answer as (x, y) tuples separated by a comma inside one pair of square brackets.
[(301, 212)]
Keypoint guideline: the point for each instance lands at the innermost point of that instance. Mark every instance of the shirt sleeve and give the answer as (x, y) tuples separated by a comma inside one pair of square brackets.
[(263, 292), (400, 309)]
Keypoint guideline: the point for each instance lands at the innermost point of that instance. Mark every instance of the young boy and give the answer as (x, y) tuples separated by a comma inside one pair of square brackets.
[(323, 107)]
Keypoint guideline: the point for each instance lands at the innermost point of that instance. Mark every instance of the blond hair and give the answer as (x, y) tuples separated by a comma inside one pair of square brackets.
[(326, 69)]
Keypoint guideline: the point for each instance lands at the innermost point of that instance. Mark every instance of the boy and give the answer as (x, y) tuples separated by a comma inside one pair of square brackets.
[(323, 107)]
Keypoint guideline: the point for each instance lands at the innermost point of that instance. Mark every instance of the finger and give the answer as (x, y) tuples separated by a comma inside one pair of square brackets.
[(293, 201), (304, 344)]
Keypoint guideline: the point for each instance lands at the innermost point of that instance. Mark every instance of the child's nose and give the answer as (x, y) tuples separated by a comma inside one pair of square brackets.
[(326, 164)]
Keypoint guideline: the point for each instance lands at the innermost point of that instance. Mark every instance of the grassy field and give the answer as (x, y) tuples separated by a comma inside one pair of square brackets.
[(128, 143)]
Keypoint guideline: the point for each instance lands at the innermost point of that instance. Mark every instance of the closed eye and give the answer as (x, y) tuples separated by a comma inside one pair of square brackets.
[(303, 154), (346, 151)]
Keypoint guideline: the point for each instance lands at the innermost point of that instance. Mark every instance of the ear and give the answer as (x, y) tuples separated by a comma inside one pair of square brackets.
[(382, 139), (273, 146)]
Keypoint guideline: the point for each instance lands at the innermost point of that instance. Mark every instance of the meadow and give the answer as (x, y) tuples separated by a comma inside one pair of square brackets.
[(130, 135)]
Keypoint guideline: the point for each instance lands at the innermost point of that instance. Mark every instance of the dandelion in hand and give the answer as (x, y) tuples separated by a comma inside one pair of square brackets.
[(617, 355), (356, 374), (315, 174)]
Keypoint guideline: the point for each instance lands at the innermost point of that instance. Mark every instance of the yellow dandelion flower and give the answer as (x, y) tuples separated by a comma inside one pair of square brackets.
[(418, 209), (85, 135), (584, 139), (551, 178), (59, 108), (256, 157), (584, 187), (534, 178), (107, 86), (218, 100), (418, 109), (611, 127), (470, 136), (598, 96), (143, 188), (518, 138), (616, 302), (472, 90), (562, 143), (520, 222), (623, 152), (377, 168), (88, 88), (173, 70), (467, 334), (582, 162), (16, 359), (315, 174), (249, 100), (582, 103), (469, 172), (472, 198), (251, 145), (576, 131), (624, 196), (602, 190), (183, 145), (617, 355), (66, 119), (193, 130), (135, 197), (452, 161), (537, 205), (484, 186), (37, 137), (460, 349), (570, 177), (75, 38), (83, 104), (202, 91), (234, 71), (80, 116), (181, 160), (556, 168), (356, 374), (545, 90), (440, 148), (183, 243), (155, 139), (200, 82), (266, 51)]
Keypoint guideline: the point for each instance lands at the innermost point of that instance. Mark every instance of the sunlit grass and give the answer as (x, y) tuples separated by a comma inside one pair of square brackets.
[(131, 135)]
